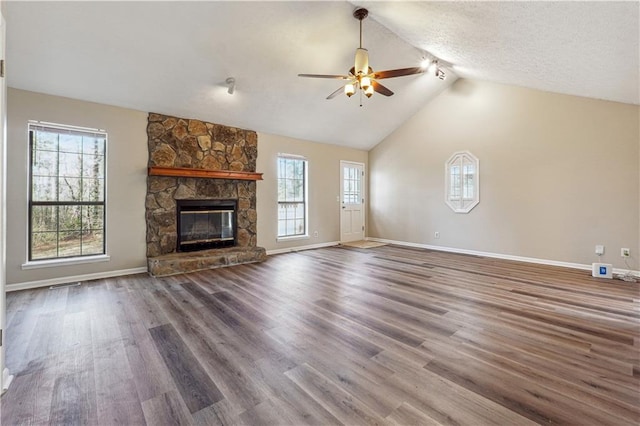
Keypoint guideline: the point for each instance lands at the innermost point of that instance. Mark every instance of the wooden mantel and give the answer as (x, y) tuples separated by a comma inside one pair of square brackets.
[(203, 173)]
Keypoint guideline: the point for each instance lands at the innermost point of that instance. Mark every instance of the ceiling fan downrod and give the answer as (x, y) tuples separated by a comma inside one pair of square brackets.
[(361, 67), (360, 14)]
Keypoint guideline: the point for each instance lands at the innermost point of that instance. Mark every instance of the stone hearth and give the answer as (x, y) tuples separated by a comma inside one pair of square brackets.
[(193, 144), (178, 263)]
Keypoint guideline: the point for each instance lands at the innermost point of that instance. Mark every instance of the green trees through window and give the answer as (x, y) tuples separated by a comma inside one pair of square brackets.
[(67, 192), (292, 196)]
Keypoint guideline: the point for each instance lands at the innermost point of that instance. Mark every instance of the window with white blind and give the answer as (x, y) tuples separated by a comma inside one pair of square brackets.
[(462, 187), (66, 192), (292, 196)]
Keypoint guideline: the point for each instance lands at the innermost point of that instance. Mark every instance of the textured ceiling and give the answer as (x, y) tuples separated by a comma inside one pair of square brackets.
[(580, 48), (173, 57)]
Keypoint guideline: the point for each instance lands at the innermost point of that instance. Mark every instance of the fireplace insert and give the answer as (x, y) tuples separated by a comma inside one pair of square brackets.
[(206, 224)]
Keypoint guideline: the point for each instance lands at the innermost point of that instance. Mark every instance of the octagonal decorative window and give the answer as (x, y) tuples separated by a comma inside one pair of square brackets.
[(462, 183)]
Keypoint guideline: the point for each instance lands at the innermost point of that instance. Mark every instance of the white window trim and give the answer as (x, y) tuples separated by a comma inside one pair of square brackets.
[(66, 126), (293, 238), (455, 205), (72, 260), (50, 263), (304, 236)]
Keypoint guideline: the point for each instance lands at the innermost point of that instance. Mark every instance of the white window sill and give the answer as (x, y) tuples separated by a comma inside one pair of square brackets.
[(292, 238), (50, 263)]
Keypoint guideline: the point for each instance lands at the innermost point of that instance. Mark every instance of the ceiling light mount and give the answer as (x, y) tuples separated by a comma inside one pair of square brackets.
[(231, 82), (360, 13), (434, 66), (437, 71)]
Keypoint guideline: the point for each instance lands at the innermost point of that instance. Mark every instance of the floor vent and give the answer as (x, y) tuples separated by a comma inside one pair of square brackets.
[(55, 287)]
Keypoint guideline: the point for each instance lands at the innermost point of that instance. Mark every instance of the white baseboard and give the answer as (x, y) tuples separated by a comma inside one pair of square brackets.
[(308, 247), (74, 278), (500, 256), (140, 270), (6, 380)]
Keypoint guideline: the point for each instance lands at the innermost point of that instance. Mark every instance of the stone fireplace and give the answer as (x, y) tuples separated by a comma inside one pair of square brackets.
[(201, 196)]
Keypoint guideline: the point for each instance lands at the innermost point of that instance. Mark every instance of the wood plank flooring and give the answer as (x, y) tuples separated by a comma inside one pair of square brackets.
[(388, 335)]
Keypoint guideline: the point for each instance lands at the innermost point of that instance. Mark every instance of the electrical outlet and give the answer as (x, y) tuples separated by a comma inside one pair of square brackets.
[(436, 235), (315, 234), (625, 252), (599, 250)]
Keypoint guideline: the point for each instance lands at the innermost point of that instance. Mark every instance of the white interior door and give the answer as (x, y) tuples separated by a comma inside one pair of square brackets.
[(352, 201)]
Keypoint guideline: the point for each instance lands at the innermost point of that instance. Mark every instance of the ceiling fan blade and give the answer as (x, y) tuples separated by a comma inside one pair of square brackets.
[(381, 89), (340, 77), (398, 73), (336, 93)]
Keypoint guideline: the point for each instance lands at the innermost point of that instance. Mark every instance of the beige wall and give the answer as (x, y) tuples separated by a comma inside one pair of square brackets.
[(324, 187), (126, 181), (558, 175)]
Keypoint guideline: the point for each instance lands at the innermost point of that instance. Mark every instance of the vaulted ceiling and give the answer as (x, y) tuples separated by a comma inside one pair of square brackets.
[(173, 57)]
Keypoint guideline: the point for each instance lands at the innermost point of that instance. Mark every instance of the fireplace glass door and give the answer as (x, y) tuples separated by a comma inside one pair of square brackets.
[(204, 227)]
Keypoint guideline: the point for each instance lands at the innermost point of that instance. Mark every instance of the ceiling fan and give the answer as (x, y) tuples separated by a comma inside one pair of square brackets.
[(361, 75)]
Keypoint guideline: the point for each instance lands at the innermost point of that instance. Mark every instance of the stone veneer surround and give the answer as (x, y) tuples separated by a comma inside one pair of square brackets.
[(185, 143)]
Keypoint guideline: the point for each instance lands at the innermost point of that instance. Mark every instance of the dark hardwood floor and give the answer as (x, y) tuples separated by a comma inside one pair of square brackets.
[(388, 335)]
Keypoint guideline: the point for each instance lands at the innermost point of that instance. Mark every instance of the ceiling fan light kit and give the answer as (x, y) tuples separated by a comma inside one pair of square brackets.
[(368, 91), (365, 83), (349, 89), (362, 76)]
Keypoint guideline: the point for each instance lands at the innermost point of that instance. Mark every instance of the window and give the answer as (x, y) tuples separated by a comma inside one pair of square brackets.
[(292, 196), (352, 184), (66, 192), (462, 190)]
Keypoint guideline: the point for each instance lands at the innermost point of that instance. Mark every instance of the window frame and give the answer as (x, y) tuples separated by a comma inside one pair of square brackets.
[(455, 197), (305, 201), (32, 128)]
